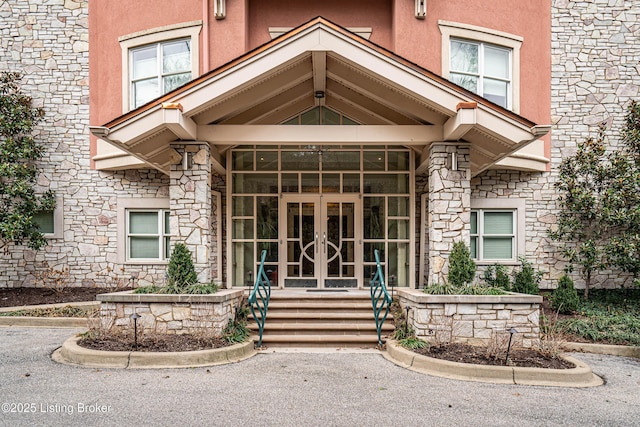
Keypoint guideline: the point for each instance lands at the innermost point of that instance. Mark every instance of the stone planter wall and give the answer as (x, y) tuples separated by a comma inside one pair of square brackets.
[(170, 314), (473, 319)]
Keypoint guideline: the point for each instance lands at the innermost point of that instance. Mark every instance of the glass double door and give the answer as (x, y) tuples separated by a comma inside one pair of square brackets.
[(320, 241)]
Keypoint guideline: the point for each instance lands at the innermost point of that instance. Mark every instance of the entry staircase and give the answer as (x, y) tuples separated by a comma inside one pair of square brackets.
[(311, 318)]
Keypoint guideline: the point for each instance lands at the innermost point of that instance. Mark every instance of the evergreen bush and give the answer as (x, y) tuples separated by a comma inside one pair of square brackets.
[(462, 268), (526, 280), (181, 273), (564, 298), (496, 276)]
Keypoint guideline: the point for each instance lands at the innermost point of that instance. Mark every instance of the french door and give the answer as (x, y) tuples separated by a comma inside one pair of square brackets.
[(320, 241)]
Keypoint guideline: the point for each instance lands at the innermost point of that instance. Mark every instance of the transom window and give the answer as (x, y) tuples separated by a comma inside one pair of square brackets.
[(320, 116), (482, 68), (493, 235), (159, 68), (148, 234)]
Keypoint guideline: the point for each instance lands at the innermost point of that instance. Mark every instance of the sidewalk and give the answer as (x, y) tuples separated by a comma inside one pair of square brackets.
[(335, 388)]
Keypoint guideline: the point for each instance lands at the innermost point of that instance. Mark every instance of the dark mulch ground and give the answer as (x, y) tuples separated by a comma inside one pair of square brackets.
[(465, 353), (14, 297), (162, 343)]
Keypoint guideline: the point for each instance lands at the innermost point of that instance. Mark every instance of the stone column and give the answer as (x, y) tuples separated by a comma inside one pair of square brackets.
[(449, 211), (190, 204)]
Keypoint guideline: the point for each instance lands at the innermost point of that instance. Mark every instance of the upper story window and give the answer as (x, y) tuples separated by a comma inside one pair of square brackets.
[(482, 68), (484, 61), (159, 68), (158, 60)]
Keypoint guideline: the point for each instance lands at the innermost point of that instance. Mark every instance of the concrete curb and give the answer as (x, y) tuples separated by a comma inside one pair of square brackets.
[(89, 304), (47, 322), (72, 354), (609, 349), (44, 322), (580, 376)]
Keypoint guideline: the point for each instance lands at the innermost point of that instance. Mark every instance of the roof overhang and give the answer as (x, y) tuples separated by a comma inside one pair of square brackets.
[(396, 102)]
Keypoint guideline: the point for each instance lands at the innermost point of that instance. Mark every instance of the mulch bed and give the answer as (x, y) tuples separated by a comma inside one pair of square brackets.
[(14, 297), (464, 353), (161, 343)]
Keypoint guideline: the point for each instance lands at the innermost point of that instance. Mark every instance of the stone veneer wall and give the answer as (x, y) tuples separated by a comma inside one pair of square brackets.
[(191, 208), (170, 314), (47, 41), (473, 319), (595, 60), (448, 209), (595, 49)]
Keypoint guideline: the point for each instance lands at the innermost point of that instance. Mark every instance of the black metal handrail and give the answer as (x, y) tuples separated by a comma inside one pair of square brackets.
[(259, 297), (380, 298)]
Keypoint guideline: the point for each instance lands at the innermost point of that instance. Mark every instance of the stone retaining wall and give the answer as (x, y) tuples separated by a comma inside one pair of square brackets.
[(170, 314), (473, 319)]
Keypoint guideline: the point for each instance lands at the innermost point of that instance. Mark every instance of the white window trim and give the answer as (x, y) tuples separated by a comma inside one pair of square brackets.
[(157, 35), (125, 204), (519, 208), (457, 30)]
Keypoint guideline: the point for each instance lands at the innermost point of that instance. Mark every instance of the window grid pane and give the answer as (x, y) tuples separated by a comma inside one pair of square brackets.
[(148, 234), (159, 68), (483, 69), (492, 235)]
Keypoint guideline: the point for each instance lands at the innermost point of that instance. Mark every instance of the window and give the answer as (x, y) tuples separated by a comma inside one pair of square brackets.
[(483, 60), (158, 60), (492, 235), (45, 221), (50, 222), (320, 116), (148, 234), (483, 69), (159, 68)]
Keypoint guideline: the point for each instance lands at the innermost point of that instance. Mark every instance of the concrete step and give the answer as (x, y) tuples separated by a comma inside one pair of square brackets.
[(321, 319), (300, 317), (319, 305), (324, 340), (321, 328)]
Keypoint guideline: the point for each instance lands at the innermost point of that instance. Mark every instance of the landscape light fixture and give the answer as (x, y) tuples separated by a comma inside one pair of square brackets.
[(135, 317), (511, 332)]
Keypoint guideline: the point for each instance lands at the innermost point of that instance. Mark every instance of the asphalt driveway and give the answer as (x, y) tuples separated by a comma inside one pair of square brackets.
[(335, 388)]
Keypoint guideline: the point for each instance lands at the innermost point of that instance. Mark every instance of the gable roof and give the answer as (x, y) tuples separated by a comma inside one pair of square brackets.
[(320, 63)]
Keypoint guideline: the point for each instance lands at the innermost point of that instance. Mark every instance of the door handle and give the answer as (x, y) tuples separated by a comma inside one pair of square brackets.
[(316, 242), (324, 242)]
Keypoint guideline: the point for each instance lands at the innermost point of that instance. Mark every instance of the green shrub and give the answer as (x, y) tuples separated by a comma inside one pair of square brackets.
[(496, 276), (462, 268), (468, 289), (181, 273), (236, 330), (526, 280), (413, 343), (564, 298)]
